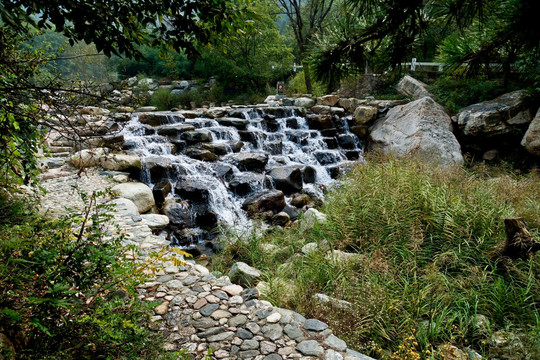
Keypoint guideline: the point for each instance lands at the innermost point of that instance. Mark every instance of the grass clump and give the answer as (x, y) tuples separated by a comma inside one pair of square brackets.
[(407, 251), (67, 290)]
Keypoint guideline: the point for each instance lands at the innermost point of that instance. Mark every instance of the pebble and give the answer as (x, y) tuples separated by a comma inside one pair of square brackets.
[(200, 312)]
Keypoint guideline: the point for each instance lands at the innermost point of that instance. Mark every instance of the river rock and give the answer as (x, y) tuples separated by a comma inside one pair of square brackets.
[(192, 189), (201, 135), (507, 114), (250, 161), (328, 100), (155, 221), (312, 217), (160, 192), (304, 102), (310, 348), (319, 121), (201, 154), (217, 112), (246, 183), (88, 158), (287, 178), (121, 162), (273, 200), (531, 140), (243, 274), (420, 128), (158, 166), (153, 119), (409, 86), (174, 129), (364, 114), (240, 124), (139, 193)]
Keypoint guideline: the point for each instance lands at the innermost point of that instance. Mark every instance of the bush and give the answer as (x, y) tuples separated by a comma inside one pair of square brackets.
[(456, 93), (297, 85), (67, 291), (164, 100), (421, 269)]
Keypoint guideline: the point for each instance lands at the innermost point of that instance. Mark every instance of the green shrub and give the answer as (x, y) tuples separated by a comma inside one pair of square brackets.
[(421, 268), (456, 93), (297, 85), (67, 291), (164, 100)]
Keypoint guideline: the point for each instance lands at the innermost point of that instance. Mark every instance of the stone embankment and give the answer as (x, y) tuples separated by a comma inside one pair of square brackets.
[(197, 311)]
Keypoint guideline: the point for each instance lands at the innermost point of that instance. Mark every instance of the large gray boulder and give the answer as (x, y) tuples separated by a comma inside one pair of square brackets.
[(121, 162), (267, 200), (139, 193), (420, 128), (250, 161), (508, 114), (531, 140), (409, 86)]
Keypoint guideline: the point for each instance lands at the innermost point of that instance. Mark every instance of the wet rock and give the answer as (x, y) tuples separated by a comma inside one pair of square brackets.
[(346, 141), (160, 192), (291, 211), (245, 183), (309, 174), (192, 189), (178, 213), (201, 135), (240, 124), (273, 200), (244, 274), (153, 119), (174, 129), (218, 149), (319, 122), (201, 154), (207, 220), (360, 131), (250, 161), (281, 219), (224, 171), (287, 178), (158, 167)]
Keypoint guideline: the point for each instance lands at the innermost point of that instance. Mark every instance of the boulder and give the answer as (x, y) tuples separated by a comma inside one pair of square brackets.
[(160, 192), (93, 110), (191, 114), (312, 217), (200, 154), (281, 219), (319, 122), (139, 193), (240, 124), (174, 129), (217, 112), (328, 100), (349, 104), (155, 221), (267, 200), (531, 140), (420, 128), (364, 114), (196, 136), (178, 213), (250, 161), (88, 158), (243, 274), (321, 109), (217, 148), (158, 166), (154, 119), (409, 86), (245, 183), (191, 189), (304, 102), (121, 162), (125, 207), (508, 114), (287, 178)]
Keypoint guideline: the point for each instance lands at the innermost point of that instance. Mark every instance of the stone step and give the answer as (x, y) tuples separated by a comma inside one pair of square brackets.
[(60, 149)]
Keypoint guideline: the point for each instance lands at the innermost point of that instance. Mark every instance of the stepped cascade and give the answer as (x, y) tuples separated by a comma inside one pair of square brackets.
[(228, 166)]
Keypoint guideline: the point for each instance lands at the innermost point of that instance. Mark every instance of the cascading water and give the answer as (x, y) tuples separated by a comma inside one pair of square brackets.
[(208, 166)]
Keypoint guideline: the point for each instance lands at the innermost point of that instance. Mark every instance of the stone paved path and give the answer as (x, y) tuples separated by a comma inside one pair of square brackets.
[(198, 312)]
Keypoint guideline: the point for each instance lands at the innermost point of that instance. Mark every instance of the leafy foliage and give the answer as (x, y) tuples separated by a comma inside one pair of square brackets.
[(419, 269), (67, 290)]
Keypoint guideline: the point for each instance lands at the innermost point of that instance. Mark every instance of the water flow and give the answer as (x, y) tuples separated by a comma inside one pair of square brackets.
[(288, 141)]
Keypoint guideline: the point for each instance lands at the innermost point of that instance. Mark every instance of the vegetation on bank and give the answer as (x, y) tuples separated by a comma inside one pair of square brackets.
[(67, 290), (422, 271)]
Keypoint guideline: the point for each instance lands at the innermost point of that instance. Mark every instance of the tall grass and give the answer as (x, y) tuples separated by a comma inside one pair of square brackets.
[(423, 239)]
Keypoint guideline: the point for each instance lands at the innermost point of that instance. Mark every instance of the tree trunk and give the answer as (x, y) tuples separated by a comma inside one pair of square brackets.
[(519, 243), (307, 77)]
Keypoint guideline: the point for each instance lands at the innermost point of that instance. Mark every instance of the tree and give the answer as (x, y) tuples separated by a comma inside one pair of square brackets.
[(306, 18), (250, 58), (29, 94)]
